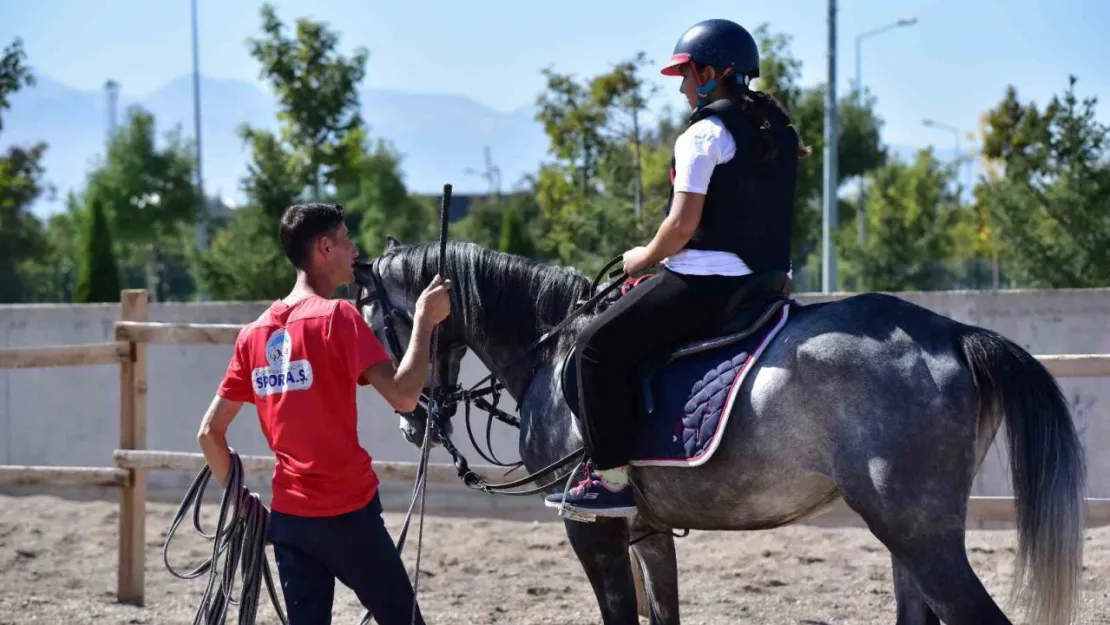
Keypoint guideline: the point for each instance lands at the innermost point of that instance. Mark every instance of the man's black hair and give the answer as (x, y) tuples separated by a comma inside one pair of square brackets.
[(302, 224)]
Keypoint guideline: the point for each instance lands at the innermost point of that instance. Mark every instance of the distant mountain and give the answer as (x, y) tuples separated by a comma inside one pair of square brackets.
[(438, 135)]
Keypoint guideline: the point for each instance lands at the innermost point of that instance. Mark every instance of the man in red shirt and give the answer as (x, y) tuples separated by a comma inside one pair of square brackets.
[(299, 364)]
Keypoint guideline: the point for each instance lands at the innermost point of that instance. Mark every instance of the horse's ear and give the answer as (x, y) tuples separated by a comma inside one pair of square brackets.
[(391, 242)]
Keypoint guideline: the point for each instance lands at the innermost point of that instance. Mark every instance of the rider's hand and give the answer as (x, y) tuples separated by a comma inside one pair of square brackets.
[(434, 303), (636, 260)]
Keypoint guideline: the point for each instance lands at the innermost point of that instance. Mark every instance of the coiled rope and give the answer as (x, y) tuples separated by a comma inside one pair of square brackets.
[(240, 538)]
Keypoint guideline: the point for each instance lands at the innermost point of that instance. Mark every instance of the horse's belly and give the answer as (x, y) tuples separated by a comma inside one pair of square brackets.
[(718, 503), (768, 471)]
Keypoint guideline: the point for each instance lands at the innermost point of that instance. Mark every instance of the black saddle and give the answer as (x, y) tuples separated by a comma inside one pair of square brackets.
[(748, 305), (753, 304)]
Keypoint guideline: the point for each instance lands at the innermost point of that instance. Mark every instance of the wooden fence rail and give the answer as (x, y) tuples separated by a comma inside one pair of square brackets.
[(134, 332), (64, 355)]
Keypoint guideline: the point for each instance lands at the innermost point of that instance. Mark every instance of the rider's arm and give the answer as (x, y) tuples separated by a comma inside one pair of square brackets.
[(678, 227), (697, 151)]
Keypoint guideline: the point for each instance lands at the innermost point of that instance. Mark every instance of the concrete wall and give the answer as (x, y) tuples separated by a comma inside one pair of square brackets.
[(69, 416)]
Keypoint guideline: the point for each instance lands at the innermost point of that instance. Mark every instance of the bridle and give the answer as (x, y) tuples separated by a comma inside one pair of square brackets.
[(436, 403)]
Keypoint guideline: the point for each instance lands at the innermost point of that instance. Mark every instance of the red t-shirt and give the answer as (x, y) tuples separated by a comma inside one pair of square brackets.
[(300, 365)]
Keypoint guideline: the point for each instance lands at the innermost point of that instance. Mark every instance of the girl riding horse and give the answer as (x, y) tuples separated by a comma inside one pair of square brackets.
[(734, 175)]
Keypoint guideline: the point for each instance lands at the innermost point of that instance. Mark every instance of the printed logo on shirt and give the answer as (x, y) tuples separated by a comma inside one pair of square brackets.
[(281, 374)]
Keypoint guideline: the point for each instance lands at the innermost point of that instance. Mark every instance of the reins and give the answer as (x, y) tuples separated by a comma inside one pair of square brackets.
[(441, 399)]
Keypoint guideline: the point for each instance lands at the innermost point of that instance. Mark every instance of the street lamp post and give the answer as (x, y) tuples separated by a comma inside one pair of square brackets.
[(959, 158), (931, 123), (202, 209), (829, 184), (861, 225)]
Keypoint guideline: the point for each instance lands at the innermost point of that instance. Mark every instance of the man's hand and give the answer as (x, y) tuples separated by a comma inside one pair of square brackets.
[(434, 303)]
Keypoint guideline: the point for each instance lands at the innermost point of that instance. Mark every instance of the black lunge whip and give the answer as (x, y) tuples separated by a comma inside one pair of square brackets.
[(433, 412)]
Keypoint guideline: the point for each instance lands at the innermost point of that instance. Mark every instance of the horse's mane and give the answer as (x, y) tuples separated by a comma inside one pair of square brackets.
[(518, 296)]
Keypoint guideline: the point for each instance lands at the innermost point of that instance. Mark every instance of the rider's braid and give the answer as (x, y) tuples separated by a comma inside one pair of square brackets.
[(759, 105)]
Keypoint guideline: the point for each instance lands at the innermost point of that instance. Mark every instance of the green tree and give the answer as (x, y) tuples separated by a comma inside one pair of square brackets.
[(624, 95), (373, 193), (14, 74), (146, 191), (98, 277), (514, 240), (51, 277), (320, 153), (574, 121), (1050, 209), (588, 198), (317, 96), (149, 197), (21, 234), (912, 215), (485, 220), (21, 182)]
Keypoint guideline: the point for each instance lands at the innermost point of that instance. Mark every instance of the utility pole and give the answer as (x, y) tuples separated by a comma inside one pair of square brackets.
[(492, 176), (202, 209), (111, 87), (829, 218), (861, 218)]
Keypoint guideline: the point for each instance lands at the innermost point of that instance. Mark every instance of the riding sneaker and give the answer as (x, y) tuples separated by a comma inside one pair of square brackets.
[(595, 495)]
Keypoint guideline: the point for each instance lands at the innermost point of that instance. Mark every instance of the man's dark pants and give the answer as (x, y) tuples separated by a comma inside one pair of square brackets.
[(312, 552)]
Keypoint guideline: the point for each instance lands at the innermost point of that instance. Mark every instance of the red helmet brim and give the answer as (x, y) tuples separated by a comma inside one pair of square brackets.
[(674, 67)]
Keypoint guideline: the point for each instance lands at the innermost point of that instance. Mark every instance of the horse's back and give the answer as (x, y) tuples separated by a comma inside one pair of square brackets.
[(844, 383)]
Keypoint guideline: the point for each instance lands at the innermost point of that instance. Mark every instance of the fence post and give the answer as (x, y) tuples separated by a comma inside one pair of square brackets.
[(132, 435)]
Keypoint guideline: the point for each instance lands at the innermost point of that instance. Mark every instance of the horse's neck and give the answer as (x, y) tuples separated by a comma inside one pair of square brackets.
[(504, 340), (508, 363), (516, 361)]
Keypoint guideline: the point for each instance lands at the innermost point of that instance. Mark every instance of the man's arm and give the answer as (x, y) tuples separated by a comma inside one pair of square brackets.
[(401, 386), (234, 390), (212, 436)]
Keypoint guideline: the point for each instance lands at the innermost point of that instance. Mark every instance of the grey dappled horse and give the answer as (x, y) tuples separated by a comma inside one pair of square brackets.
[(871, 399)]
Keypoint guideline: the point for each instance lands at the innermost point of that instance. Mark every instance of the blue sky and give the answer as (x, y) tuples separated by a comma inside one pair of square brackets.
[(950, 66)]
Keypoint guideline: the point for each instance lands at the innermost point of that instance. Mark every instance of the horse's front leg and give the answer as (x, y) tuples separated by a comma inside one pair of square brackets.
[(602, 548), (659, 571)]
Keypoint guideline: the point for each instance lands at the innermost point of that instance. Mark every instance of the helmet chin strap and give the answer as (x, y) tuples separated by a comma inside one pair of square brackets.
[(704, 89)]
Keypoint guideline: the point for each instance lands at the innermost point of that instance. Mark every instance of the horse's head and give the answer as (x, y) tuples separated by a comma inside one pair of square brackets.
[(386, 298)]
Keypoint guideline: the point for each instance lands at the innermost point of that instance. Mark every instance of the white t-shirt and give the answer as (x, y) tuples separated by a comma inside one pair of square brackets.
[(697, 151)]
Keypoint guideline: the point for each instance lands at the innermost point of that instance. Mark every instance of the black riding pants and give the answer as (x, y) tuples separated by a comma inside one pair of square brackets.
[(659, 314), (311, 552)]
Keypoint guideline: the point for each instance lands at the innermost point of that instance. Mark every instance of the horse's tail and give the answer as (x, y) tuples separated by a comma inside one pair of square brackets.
[(1048, 472)]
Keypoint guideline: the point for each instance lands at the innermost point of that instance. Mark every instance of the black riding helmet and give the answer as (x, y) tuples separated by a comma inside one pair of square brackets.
[(723, 44)]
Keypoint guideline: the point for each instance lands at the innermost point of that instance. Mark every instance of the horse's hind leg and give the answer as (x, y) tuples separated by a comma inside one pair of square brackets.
[(912, 607), (944, 578), (602, 548), (917, 506)]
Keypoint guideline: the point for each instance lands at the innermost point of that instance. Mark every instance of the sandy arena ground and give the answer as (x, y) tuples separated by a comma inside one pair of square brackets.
[(58, 565)]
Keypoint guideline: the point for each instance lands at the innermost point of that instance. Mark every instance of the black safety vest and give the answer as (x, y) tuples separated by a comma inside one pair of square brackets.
[(749, 206)]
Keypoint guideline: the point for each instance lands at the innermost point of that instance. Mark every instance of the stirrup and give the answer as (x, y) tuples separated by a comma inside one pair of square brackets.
[(565, 511)]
